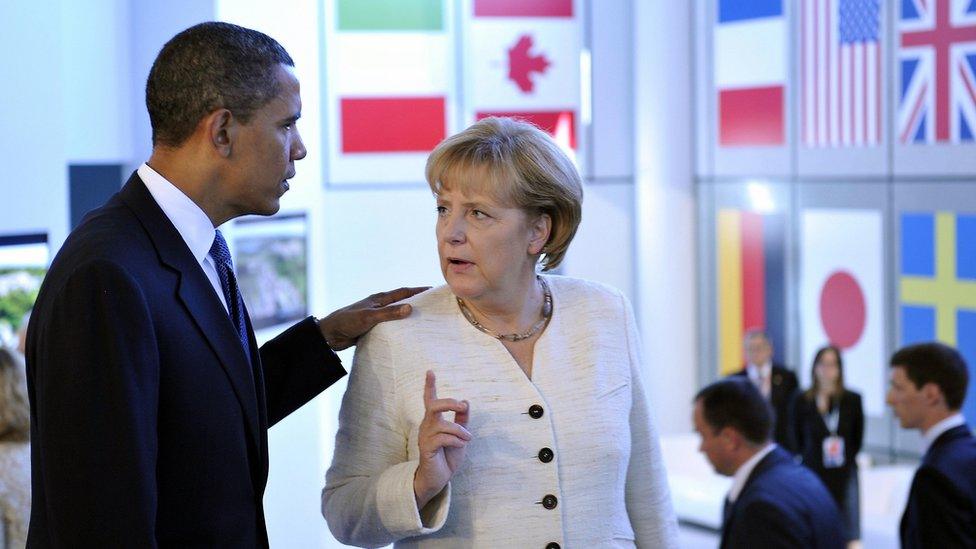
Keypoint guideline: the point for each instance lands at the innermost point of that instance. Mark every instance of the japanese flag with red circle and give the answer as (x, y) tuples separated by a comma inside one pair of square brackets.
[(842, 296)]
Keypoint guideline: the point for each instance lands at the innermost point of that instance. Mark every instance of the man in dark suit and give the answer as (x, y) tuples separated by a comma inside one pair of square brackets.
[(773, 502), (928, 386), (777, 384), (150, 399)]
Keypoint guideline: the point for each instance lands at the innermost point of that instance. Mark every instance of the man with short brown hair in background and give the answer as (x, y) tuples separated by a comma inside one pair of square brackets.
[(928, 387)]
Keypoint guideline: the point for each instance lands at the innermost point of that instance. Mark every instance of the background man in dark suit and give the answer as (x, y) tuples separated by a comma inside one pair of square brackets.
[(150, 399), (928, 386), (773, 501), (776, 383)]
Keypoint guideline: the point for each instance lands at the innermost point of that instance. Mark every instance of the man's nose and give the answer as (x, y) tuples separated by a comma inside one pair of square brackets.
[(298, 150)]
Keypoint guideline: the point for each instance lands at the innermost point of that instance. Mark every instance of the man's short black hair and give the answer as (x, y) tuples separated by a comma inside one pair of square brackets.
[(735, 402), (935, 363), (207, 67)]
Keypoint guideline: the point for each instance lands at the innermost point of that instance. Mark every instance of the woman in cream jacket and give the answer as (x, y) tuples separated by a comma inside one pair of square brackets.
[(545, 439)]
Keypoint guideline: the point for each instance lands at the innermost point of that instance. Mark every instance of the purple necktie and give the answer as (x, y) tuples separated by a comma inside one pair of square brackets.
[(228, 283)]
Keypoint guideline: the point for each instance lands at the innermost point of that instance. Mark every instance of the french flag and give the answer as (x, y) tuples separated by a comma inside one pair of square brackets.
[(750, 72)]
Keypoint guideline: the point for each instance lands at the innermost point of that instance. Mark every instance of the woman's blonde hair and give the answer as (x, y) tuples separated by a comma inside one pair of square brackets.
[(14, 408), (515, 163)]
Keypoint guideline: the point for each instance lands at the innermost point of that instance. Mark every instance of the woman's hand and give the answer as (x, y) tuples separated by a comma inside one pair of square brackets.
[(442, 443)]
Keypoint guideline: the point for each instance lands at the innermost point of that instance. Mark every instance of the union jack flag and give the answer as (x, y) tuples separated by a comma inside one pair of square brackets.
[(937, 70)]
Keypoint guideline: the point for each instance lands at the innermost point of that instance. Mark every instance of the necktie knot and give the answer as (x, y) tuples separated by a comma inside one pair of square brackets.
[(220, 252), (228, 284)]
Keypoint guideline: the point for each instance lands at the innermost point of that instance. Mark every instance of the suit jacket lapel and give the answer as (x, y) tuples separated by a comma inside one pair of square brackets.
[(907, 525), (766, 462), (197, 295), (959, 431), (257, 372), (770, 459), (727, 510)]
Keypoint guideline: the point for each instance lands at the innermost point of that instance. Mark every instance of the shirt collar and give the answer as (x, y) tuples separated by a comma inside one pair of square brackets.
[(935, 431), (190, 221), (754, 370), (742, 474)]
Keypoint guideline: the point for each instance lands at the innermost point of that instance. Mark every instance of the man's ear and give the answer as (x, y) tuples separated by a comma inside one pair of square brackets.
[(932, 394), (730, 437), (220, 126), (541, 228)]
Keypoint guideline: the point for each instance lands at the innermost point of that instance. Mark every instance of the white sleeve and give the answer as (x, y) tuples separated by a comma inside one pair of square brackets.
[(647, 495), (368, 498)]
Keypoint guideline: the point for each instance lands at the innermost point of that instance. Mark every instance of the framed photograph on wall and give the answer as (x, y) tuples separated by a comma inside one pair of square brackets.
[(271, 260), (23, 264)]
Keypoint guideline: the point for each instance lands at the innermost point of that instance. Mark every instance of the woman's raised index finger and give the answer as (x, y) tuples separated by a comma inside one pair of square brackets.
[(430, 388)]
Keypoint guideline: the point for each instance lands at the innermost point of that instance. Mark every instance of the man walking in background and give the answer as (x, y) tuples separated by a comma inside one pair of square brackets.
[(928, 386), (773, 502)]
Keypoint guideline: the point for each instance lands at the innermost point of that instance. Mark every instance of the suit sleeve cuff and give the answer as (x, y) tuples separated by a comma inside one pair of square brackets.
[(304, 342), (398, 505)]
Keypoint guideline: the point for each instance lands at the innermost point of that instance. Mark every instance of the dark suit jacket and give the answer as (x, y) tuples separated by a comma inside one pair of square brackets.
[(783, 388), (941, 509), (811, 432), (148, 419), (783, 505)]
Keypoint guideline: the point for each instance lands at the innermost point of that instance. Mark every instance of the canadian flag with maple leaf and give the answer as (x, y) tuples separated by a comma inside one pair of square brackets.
[(522, 60)]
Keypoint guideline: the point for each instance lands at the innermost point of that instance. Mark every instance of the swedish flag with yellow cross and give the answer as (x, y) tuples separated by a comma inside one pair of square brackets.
[(937, 286)]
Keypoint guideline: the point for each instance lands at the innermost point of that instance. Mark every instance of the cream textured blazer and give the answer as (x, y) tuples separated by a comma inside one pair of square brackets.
[(602, 482)]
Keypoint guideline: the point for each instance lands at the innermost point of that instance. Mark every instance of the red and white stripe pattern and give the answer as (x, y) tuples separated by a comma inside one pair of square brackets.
[(840, 73)]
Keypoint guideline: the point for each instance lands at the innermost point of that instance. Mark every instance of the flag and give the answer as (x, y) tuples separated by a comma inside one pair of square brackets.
[(396, 15), (751, 265), (842, 296), (522, 59), (389, 80), (521, 8), (561, 125), (750, 72), (937, 69), (840, 72), (937, 286), (391, 124)]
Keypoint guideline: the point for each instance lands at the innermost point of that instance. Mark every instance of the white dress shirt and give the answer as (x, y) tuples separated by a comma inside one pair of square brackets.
[(190, 221), (928, 437), (743, 472), (761, 377)]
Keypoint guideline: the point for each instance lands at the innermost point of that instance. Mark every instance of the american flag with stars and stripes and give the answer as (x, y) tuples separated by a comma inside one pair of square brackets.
[(840, 73)]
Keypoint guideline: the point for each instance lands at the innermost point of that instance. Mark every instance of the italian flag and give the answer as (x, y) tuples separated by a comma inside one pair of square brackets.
[(521, 59), (389, 79)]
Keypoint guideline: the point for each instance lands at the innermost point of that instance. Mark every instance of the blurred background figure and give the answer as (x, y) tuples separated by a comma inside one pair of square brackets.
[(22, 334), (773, 502), (775, 382), (928, 388), (829, 426), (14, 452)]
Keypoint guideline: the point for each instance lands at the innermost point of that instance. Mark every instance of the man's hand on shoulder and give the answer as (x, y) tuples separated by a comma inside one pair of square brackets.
[(342, 328)]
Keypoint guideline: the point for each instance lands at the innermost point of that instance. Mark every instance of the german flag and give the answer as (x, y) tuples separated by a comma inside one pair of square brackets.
[(751, 282)]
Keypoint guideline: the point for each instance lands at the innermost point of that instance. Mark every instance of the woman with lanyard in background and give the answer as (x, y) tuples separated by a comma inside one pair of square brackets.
[(829, 423)]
